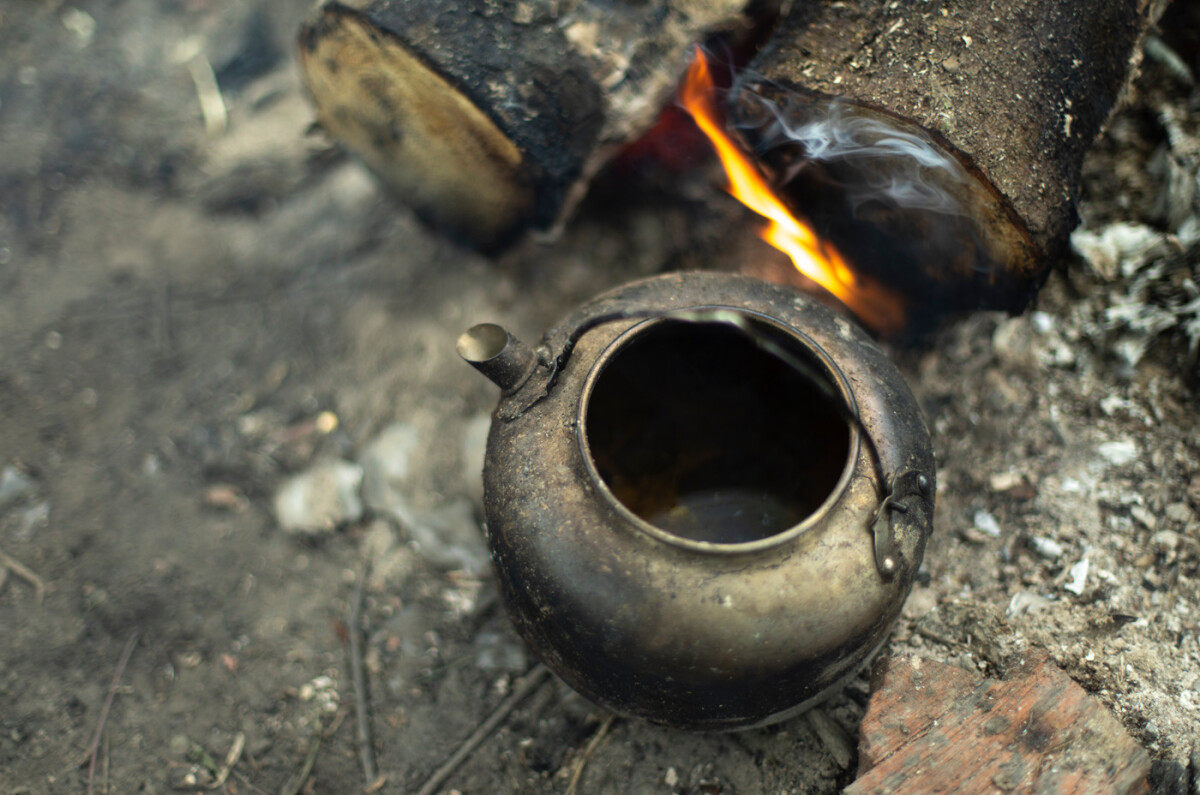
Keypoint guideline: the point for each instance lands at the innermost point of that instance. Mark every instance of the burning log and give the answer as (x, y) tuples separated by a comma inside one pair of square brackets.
[(939, 144), (489, 117)]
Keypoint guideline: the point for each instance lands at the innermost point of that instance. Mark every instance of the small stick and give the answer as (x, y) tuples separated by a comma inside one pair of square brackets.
[(112, 693), (248, 782), (338, 720), (24, 572), (592, 745), (533, 680), (212, 104), (940, 638), (294, 785), (231, 759), (358, 671)]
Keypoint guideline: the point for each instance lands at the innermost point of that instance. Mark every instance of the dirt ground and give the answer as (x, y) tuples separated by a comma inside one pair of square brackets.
[(198, 300)]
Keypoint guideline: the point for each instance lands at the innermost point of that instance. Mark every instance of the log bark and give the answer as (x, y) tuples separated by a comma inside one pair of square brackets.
[(489, 116), (1008, 95)]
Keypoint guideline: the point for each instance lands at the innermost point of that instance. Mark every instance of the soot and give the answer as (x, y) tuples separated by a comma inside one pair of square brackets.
[(704, 432)]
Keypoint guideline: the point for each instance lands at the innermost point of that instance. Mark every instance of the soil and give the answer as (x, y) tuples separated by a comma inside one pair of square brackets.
[(196, 304)]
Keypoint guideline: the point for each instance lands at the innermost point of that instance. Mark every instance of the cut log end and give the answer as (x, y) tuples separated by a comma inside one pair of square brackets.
[(424, 138), (907, 208), (1015, 91), (490, 117)]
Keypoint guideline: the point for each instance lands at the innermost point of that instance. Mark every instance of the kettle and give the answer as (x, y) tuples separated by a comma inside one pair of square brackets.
[(706, 497)]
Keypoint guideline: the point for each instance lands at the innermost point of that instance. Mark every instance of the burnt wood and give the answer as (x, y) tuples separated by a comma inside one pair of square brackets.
[(1015, 92), (488, 116), (931, 727)]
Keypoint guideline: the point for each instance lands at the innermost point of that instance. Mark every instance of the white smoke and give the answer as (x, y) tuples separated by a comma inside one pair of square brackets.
[(877, 159)]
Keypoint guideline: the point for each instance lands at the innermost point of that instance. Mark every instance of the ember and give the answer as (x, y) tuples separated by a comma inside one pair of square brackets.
[(817, 259)]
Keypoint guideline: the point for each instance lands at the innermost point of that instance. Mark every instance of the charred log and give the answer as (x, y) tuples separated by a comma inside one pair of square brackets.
[(489, 117), (939, 144)]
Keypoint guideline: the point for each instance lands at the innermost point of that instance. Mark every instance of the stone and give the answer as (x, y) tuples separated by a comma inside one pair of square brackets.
[(1004, 481), (1048, 548), (1118, 453), (448, 535), (987, 524), (1178, 512), (1078, 577), (14, 485), (1143, 517), (321, 498), (386, 463)]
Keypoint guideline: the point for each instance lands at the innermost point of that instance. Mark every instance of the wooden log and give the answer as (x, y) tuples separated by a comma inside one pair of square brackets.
[(955, 129), (489, 116), (931, 727)]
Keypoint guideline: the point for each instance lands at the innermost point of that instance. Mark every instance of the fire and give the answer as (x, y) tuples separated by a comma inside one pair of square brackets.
[(815, 258)]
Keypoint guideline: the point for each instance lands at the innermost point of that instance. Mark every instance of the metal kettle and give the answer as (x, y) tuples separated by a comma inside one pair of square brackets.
[(706, 496)]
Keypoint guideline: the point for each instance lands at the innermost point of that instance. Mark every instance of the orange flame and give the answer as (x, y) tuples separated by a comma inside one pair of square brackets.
[(815, 258)]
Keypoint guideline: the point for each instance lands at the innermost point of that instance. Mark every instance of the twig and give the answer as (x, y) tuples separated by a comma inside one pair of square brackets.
[(592, 745), (310, 759), (231, 759), (533, 680), (245, 780), (358, 672), (212, 104), (831, 735), (338, 720), (24, 572), (937, 637), (112, 693)]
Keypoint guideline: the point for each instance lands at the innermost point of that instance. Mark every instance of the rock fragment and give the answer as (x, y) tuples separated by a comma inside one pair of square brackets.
[(321, 498), (987, 524), (1078, 574), (448, 535), (1048, 548), (1118, 453), (386, 464), (14, 485)]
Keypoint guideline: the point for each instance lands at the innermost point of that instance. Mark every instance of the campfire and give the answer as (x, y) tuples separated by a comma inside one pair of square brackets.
[(946, 188), (707, 496), (812, 256)]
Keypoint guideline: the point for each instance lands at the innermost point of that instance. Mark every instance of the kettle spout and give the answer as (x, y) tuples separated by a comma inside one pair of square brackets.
[(504, 359)]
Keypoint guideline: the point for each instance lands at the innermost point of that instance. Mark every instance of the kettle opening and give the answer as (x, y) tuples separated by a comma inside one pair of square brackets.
[(717, 432)]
